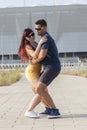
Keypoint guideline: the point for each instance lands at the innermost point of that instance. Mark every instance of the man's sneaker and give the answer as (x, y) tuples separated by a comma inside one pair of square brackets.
[(54, 113), (31, 114), (47, 111)]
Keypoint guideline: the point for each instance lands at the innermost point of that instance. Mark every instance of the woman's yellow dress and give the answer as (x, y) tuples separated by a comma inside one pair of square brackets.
[(33, 71)]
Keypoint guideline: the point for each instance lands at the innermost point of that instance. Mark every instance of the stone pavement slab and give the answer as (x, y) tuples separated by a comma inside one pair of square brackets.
[(69, 94)]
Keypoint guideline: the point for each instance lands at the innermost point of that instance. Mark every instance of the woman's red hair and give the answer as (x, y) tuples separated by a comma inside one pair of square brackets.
[(21, 51)]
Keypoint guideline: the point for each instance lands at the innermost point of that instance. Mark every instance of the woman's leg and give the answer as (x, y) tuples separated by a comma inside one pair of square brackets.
[(36, 99)]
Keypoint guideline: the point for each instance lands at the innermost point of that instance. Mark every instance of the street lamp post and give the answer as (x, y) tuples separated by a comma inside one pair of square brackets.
[(2, 49)]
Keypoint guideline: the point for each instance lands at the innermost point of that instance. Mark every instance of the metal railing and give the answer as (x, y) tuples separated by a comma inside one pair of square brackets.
[(64, 65), (13, 66), (74, 66)]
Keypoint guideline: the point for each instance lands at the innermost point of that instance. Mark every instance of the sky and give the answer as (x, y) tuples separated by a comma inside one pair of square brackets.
[(22, 3)]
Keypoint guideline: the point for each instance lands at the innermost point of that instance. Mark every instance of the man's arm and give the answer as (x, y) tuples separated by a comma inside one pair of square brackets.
[(41, 56)]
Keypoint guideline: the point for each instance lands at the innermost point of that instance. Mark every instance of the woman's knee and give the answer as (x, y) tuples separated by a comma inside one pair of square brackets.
[(40, 88), (33, 89)]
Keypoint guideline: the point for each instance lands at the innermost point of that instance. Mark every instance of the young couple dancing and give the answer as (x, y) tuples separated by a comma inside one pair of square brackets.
[(44, 66)]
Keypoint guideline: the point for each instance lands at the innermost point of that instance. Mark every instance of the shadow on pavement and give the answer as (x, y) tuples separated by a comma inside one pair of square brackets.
[(74, 116)]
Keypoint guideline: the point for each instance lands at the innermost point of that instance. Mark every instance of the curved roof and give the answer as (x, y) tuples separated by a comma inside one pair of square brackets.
[(22, 3)]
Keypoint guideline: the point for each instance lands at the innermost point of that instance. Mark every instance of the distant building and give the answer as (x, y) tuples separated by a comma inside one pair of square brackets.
[(66, 23)]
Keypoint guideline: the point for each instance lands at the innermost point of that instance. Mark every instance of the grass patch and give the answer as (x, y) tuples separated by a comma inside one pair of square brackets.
[(76, 73), (7, 77)]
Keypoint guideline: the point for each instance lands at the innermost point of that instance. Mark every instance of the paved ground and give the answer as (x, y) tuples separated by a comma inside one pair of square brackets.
[(69, 94)]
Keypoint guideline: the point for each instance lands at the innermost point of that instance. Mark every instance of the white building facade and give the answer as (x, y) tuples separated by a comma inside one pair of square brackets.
[(66, 23)]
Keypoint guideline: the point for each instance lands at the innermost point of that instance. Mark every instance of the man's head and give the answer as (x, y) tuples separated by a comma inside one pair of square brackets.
[(41, 27)]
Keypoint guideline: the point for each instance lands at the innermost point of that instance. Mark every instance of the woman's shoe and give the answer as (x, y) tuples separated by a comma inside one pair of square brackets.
[(31, 114)]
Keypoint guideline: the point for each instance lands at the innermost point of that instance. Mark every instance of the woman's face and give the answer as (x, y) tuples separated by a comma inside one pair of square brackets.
[(31, 37)]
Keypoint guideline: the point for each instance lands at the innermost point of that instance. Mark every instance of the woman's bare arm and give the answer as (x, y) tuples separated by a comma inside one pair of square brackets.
[(35, 53)]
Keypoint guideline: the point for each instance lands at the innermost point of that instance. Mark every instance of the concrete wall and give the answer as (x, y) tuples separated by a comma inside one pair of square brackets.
[(67, 25)]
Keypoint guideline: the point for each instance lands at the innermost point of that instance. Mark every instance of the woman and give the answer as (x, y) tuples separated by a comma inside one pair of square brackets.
[(29, 49)]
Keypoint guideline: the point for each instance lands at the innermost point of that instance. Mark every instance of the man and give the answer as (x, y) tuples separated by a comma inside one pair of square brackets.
[(48, 57)]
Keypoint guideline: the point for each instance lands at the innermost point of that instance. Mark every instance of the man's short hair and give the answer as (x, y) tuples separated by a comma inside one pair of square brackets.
[(41, 22)]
